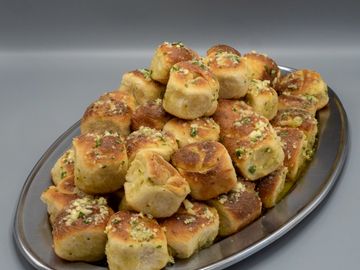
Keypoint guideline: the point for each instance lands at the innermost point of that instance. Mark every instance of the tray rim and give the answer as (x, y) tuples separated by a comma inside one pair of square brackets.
[(333, 176)]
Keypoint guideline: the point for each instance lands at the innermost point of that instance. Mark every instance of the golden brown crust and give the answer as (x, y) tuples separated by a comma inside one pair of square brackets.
[(123, 96), (93, 212), (270, 187), (150, 114), (262, 98), (262, 67), (222, 48), (232, 72), (294, 144), (255, 159), (177, 52), (307, 83), (56, 200), (297, 102), (134, 228), (67, 186), (191, 229), (224, 60), (140, 85), (135, 242), (192, 90), (78, 230), (237, 121), (153, 186), (100, 162), (194, 71), (197, 130), (99, 150), (167, 55), (64, 167), (250, 140), (207, 167), (53, 193), (110, 112), (228, 112), (179, 223), (146, 138), (237, 209), (298, 118)]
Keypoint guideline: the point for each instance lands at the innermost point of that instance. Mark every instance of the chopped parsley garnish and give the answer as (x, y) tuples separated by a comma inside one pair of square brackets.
[(267, 150), (245, 120), (239, 152), (193, 131), (63, 174), (200, 64), (175, 68), (234, 58), (178, 44), (81, 215), (146, 72), (115, 221), (252, 169), (98, 142), (117, 141)]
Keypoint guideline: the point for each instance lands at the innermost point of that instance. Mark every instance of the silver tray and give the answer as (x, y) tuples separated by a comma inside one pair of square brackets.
[(32, 232)]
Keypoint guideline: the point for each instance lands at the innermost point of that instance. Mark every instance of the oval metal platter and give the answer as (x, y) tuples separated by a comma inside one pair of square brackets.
[(32, 232)]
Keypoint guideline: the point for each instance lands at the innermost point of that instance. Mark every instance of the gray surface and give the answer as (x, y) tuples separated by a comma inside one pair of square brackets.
[(56, 57)]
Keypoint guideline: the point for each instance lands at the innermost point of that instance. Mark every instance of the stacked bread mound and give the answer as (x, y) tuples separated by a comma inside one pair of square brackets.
[(183, 153)]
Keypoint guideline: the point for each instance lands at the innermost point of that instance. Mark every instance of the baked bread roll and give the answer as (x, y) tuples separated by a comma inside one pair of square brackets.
[(197, 130), (153, 186), (100, 162), (78, 230), (294, 144), (207, 167), (150, 114), (231, 71), (256, 158), (237, 208), (250, 140), (297, 102), (262, 98), (139, 83), (192, 228), (192, 91), (67, 186), (220, 48), (63, 167), (307, 83), (57, 199), (270, 187), (148, 139), (111, 112), (262, 67), (135, 242), (167, 55), (227, 113), (298, 118)]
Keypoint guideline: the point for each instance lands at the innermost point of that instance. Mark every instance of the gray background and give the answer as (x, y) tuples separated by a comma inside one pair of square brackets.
[(58, 56)]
